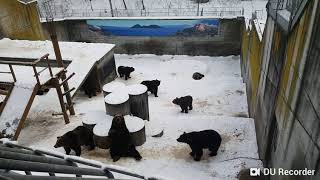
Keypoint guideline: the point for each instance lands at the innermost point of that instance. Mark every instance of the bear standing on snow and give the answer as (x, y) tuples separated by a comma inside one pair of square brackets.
[(75, 139), (121, 144), (197, 76), (152, 86), (125, 71), (184, 102), (201, 140)]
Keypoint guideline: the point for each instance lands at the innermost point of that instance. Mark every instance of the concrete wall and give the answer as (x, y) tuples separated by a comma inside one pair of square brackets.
[(226, 43), (20, 21), (282, 76)]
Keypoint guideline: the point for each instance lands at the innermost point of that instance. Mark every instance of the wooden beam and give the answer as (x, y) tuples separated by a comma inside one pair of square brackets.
[(26, 111)]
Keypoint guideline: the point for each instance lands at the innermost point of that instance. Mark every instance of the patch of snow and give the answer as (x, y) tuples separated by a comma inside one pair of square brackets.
[(102, 129), (116, 97), (113, 86), (133, 123), (96, 117), (137, 89)]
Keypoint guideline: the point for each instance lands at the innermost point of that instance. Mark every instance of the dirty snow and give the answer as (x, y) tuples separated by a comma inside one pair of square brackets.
[(219, 104)]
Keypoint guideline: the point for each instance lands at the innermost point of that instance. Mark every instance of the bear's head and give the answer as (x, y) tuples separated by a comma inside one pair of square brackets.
[(118, 122), (131, 69), (157, 82), (59, 142), (176, 101), (66, 140), (184, 138)]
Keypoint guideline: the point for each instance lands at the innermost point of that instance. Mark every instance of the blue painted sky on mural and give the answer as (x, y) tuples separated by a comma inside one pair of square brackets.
[(161, 28), (146, 22)]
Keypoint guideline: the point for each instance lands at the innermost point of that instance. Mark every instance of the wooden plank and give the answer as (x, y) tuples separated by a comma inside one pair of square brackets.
[(26, 111)]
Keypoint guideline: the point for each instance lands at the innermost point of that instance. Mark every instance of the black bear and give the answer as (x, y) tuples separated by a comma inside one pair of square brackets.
[(121, 143), (90, 91), (201, 140), (43, 91), (90, 85), (75, 139), (184, 102), (152, 86), (197, 76), (125, 71)]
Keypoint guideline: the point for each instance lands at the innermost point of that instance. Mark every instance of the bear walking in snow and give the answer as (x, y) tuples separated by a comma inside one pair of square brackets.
[(201, 140), (152, 86), (125, 71), (197, 76), (184, 102), (121, 143), (75, 139)]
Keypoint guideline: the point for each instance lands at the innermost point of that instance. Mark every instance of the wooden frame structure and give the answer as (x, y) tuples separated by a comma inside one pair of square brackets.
[(52, 82)]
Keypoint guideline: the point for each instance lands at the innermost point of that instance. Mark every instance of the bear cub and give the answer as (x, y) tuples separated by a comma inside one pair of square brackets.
[(75, 139), (199, 140), (184, 102), (125, 71), (121, 143), (152, 86)]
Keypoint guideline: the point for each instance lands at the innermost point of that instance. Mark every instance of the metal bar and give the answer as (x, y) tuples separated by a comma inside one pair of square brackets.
[(9, 176), (42, 70), (12, 72), (72, 89), (3, 148), (36, 74), (64, 81), (5, 72), (33, 158), (49, 66), (43, 167)]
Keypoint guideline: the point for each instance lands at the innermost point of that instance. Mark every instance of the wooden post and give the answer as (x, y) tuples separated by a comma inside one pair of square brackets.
[(57, 53), (60, 96), (138, 97)]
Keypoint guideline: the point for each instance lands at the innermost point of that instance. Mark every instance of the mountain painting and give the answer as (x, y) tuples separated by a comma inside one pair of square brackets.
[(158, 28)]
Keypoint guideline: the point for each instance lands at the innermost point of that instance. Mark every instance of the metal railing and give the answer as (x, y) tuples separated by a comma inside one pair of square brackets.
[(32, 64), (60, 13), (14, 157)]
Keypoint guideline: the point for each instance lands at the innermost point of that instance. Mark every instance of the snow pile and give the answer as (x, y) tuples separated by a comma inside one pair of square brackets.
[(96, 117), (113, 86), (116, 98), (102, 128), (136, 89), (133, 123)]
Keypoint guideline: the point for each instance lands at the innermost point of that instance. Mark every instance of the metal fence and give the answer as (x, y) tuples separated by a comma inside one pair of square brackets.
[(58, 12), (23, 163)]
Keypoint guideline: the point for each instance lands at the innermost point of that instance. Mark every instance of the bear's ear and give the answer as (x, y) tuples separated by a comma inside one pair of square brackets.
[(184, 133), (58, 137)]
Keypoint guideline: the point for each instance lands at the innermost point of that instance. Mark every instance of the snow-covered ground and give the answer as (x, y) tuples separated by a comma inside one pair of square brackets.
[(219, 104)]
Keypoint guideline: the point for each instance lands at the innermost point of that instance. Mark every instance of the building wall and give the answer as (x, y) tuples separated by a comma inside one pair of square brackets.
[(283, 92), (19, 21)]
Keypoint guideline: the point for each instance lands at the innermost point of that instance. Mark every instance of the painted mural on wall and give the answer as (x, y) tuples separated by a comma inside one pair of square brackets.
[(159, 28)]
